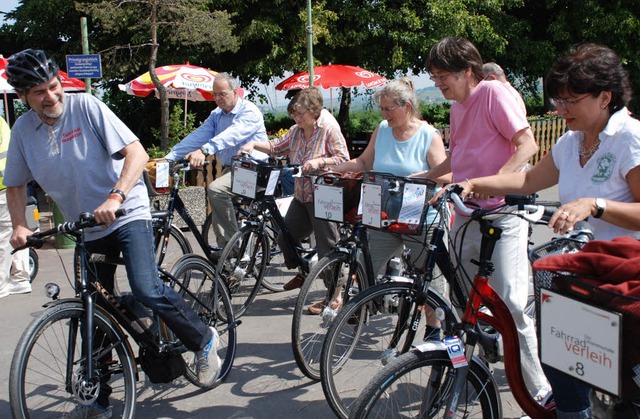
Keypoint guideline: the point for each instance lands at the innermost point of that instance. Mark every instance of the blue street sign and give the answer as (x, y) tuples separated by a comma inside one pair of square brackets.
[(84, 66)]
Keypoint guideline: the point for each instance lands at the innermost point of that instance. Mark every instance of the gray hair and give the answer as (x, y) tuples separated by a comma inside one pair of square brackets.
[(233, 83), (401, 92), (492, 68)]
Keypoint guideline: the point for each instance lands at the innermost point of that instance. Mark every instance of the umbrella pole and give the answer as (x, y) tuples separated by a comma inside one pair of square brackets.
[(185, 111)]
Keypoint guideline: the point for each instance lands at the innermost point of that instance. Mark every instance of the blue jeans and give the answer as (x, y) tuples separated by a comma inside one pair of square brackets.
[(571, 395), (135, 241)]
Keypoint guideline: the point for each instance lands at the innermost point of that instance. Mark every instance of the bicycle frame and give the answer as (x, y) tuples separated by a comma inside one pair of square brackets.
[(498, 317)]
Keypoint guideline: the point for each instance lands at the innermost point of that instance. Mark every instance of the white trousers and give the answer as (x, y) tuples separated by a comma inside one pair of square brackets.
[(511, 281)]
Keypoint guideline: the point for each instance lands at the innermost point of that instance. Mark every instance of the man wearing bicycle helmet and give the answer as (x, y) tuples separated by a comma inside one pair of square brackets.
[(87, 160)]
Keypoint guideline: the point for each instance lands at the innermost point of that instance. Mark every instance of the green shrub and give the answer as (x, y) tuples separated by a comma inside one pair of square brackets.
[(178, 129), (364, 121), (435, 113)]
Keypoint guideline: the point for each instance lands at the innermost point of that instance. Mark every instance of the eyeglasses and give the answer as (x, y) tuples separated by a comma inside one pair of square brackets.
[(440, 78), (384, 109), (567, 103), (299, 113), (222, 94)]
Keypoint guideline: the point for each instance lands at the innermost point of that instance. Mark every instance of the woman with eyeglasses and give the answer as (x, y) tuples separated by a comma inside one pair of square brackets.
[(402, 144), (314, 144), (490, 134), (596, 165)]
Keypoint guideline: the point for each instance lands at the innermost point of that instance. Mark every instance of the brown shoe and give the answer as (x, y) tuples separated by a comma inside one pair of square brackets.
[(296, 282), (316, 308)]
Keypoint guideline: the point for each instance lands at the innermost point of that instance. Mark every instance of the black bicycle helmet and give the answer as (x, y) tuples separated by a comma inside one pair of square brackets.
[(29, 68)]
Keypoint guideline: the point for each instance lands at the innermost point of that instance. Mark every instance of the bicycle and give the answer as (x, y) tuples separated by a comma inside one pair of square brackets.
[(254, 248), (382, 321), (78, 349), (445, 378)]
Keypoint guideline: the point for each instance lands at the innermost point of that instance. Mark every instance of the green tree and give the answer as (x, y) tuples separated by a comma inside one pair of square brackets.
[(180, 23)]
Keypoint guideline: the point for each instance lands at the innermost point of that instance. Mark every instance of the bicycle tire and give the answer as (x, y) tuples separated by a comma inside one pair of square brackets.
[(241, 267), (177, 246), (308, 330), (355, 347), (37, 382), (276, 274), (407, 384), (208, 234), (202, 282), (34, 264)]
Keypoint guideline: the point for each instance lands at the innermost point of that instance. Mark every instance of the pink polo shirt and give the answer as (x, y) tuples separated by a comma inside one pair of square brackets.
[(481, 132)]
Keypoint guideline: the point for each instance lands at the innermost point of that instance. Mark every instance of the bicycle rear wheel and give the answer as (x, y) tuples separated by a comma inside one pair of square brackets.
[(276, 274), (359, 342), (241, 267), (418, 384), (308, 329), (213, 305), (48, 372)]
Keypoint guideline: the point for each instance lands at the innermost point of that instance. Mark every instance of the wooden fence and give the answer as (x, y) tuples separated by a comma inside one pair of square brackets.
[(545, 130)]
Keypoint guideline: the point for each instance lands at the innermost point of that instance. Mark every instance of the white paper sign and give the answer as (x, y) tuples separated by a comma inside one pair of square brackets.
[(244, 182), (328, 202), (162, 174), (581, 340), (413, 199), (371, 203), (272, 183), (283, 204)]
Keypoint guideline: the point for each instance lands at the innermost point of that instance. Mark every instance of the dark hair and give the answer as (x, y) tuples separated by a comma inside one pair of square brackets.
[(29, 68), (590, 68), (455, 55), (310, 99)]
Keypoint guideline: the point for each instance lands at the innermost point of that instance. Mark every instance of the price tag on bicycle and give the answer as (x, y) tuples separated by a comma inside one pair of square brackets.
[(244, 182), (455, 349), (581, 340)]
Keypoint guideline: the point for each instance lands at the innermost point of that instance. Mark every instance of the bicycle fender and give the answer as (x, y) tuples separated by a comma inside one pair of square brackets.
[(429, 346)]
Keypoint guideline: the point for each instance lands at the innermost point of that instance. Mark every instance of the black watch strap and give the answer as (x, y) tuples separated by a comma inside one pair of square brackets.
[(118, 192)]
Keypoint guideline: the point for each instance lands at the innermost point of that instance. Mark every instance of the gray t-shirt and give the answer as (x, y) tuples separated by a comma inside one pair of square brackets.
[(76, 161)]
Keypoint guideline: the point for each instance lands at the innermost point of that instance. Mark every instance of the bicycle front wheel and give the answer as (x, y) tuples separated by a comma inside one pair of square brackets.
[(48, 370), (329, 284), (209, 299), (418, 384), (369, 331), (241, 267), (276, 274)]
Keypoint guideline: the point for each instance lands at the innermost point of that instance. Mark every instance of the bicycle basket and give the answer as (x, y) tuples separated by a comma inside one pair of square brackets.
[(253, 179), (558, 246), (592, 351), (337, 198), (394, 203)]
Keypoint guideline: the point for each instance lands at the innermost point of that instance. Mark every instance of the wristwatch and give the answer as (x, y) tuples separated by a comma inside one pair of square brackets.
[(601, 205), (204, 151)]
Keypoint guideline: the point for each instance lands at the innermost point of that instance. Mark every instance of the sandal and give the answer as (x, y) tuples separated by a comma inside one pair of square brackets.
[(316, 308)]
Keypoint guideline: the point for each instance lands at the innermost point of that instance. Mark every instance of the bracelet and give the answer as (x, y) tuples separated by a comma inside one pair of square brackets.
[(115, 191), (469, 182)]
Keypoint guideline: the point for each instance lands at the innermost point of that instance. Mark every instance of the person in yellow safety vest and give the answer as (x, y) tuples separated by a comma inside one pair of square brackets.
[(16, 280)]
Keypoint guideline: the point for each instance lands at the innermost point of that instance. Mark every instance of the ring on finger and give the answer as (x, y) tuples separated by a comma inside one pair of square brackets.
[(566, 214)]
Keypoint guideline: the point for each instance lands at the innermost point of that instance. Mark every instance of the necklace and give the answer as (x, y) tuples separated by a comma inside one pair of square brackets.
[(586, 153)]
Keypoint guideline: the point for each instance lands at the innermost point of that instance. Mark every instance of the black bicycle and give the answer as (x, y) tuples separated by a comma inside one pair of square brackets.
[(78, 348), (252, 257)]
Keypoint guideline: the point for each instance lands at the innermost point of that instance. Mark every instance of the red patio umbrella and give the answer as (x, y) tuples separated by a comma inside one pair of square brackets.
[(333, 75)]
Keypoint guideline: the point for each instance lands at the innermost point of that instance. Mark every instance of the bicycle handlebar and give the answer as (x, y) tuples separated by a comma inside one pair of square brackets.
[(529, 211), (85, 220)]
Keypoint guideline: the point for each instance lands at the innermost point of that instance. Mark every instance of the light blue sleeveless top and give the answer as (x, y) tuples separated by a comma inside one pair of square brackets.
[(403, 158)]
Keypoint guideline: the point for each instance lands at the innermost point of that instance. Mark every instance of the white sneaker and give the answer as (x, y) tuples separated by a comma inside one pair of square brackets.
[(4, 291), (22, 287), (208, 362)]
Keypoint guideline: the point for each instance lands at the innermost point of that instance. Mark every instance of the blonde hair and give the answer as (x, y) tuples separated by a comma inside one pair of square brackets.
[(401, 92)]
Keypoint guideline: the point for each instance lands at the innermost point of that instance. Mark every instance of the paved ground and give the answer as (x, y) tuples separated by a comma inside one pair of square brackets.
[(264, 383)]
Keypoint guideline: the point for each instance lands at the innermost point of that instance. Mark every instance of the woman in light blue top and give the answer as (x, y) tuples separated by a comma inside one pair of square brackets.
[(402, 145)]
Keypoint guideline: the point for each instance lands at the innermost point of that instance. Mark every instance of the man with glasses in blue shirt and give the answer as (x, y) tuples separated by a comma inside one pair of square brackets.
[(233, 123)]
